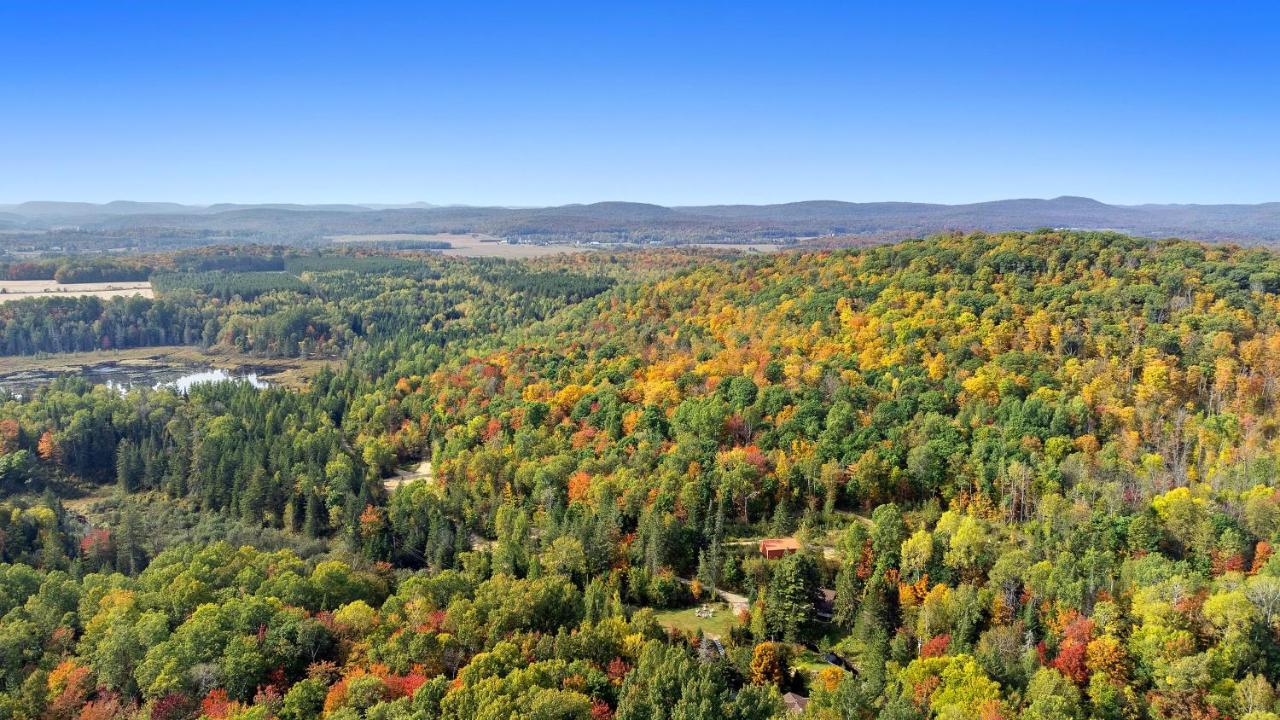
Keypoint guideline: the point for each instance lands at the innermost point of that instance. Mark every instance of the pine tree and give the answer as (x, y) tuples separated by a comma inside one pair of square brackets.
[(848, 592), (130, 558), (790, 596), (128, 466)]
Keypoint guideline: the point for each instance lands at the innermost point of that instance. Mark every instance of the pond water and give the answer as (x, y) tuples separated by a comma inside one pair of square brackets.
[(183, 383), (123, 377)]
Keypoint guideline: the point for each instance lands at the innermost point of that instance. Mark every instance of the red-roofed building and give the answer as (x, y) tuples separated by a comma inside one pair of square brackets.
[(774, 548)]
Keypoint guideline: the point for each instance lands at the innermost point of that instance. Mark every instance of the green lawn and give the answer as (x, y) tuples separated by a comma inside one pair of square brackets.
[(808, 661), (687, 621)]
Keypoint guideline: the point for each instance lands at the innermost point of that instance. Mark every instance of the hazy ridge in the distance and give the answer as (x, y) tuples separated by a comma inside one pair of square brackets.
[(1248, 223)]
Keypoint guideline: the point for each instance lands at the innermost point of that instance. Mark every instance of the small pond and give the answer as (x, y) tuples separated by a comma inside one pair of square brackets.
[(176, 377)]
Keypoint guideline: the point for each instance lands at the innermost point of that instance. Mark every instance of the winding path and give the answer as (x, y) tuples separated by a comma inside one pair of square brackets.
[(404, 477), (736, 602)]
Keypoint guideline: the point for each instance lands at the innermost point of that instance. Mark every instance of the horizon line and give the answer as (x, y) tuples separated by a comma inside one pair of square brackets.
[(424, 204)]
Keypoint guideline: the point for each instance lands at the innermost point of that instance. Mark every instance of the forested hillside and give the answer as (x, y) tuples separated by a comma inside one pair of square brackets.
[(271, 305), (1030, 475)]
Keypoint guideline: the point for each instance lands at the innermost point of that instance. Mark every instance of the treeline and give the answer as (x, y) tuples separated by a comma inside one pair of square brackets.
[(566, 286), (136, 268), (77, 270), (378, 264), (237, 262), (81, 324), (224, 285), (153, 239)]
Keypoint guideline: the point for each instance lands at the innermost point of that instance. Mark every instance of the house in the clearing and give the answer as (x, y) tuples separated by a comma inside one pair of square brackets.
[(774, 548), (824, 606), (794, 703)]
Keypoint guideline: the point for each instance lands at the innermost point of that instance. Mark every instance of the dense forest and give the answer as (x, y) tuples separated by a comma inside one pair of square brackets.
[(1029, 475), (301, 305), (73, 268)]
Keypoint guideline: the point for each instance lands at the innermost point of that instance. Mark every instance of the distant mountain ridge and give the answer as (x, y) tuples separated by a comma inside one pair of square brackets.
[(613, 221)]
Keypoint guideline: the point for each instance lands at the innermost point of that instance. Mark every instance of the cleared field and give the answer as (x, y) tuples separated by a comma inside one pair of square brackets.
[(468, 245), (742, 247), (687, 620), (20, 289)]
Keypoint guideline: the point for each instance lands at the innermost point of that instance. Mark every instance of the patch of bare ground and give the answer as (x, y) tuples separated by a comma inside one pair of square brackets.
[(22, 289), (404, 476)]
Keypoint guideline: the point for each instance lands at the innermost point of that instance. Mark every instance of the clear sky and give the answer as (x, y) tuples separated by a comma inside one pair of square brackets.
[(674, 103)]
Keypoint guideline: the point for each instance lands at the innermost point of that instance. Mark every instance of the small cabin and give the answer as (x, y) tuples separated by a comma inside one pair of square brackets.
[(794, 703), (824, 606), (774, 548)]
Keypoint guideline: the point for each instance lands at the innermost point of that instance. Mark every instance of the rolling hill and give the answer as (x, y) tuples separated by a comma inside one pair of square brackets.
[(630, 221)]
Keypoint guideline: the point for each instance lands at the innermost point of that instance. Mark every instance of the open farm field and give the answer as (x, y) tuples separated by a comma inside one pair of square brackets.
[(750, 248), (20, 289), (467, 245)]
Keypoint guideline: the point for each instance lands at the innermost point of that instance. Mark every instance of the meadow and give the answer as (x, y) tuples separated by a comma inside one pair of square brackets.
[(21, 289), (467, 245)]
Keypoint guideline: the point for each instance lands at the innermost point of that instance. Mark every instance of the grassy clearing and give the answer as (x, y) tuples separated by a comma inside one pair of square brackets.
[(687, 620), (83, 500), (808, 661)]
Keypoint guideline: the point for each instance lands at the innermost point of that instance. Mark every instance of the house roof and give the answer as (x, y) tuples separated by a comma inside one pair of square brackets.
[(794, 702), (779, 544), (825, 603)]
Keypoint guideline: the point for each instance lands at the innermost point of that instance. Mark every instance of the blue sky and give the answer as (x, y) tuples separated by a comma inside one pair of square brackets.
[(679, 103)]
